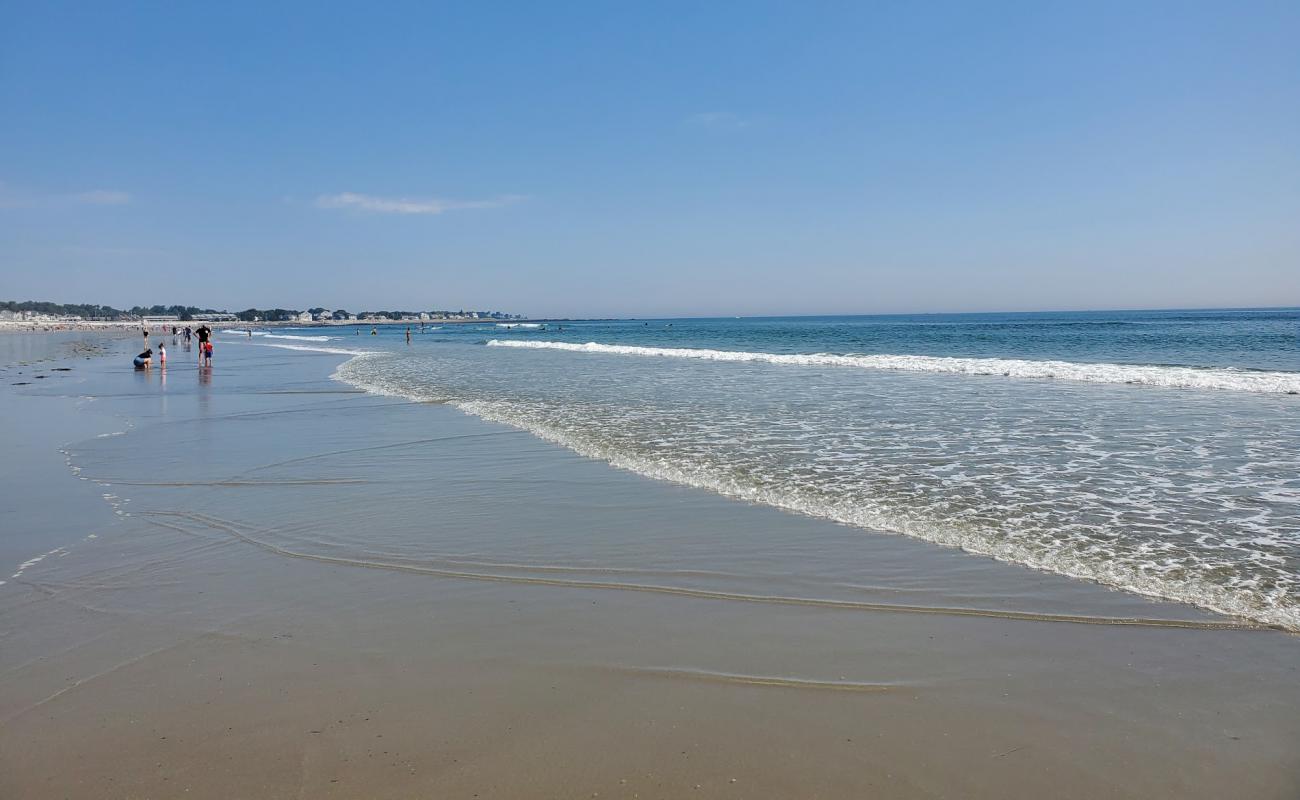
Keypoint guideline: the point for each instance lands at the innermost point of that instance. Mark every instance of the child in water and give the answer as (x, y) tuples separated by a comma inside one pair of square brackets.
[(162, 355), (207, 354)]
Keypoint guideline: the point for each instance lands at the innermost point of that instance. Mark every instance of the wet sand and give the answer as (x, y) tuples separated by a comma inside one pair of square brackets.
[(297, 590)]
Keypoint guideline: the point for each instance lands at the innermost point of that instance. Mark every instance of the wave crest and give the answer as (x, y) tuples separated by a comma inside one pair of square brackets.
[(265, 335), (1176, 377)]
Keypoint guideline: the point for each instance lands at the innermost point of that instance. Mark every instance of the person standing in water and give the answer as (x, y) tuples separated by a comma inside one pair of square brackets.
[(203, 332), (408, 334), (162, 355)]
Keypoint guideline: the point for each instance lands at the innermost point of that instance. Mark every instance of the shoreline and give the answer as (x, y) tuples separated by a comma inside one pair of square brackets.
[(358, 596), (136, 325)]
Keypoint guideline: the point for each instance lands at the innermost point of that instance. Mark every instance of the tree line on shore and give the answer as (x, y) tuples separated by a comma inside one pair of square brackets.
[(95, 311), (91, 311)]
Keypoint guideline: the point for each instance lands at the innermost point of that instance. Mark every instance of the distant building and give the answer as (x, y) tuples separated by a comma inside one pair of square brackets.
[(323, 316), (303, 317)]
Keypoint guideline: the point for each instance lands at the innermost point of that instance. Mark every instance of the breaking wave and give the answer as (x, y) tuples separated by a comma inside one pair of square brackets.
[(318, 349), (1177, 377), (265, 335)]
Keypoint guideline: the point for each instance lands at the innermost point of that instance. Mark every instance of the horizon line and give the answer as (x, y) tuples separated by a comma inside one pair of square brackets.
[(773, 316)]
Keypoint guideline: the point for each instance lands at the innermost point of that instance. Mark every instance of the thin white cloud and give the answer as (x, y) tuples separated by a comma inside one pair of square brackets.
[(16, 198), (102, 197), (99, 251), (717, 121), (408, 205)]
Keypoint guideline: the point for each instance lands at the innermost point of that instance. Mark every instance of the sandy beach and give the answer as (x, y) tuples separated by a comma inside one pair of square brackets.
[(260, 582)]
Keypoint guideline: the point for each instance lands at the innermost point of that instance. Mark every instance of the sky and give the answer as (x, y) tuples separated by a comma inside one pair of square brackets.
[(653, 159)]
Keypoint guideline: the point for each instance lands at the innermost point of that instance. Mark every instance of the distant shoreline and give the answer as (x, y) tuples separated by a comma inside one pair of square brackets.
[(40, 326)]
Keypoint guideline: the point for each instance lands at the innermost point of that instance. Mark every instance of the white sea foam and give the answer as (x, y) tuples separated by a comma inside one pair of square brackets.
[(265, 335), (518, 325), (1182, 539), (31, 562), (317, 349), (1139, 374), (1130, 575), (728, 454)]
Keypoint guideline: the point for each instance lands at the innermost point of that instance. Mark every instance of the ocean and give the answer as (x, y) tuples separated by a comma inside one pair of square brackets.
[(1156, 452)]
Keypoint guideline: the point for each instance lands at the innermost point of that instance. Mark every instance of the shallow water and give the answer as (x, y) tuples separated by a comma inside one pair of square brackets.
[(1157, 452)]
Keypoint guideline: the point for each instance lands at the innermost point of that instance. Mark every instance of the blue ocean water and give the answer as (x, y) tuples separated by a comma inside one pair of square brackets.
[(1264, 340), (1153, 451)]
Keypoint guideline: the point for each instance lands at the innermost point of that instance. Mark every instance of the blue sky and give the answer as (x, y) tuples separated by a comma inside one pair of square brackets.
[(654, 159)]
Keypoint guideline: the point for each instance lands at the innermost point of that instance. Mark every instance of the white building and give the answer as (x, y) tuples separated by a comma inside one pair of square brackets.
[(304, 317)]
